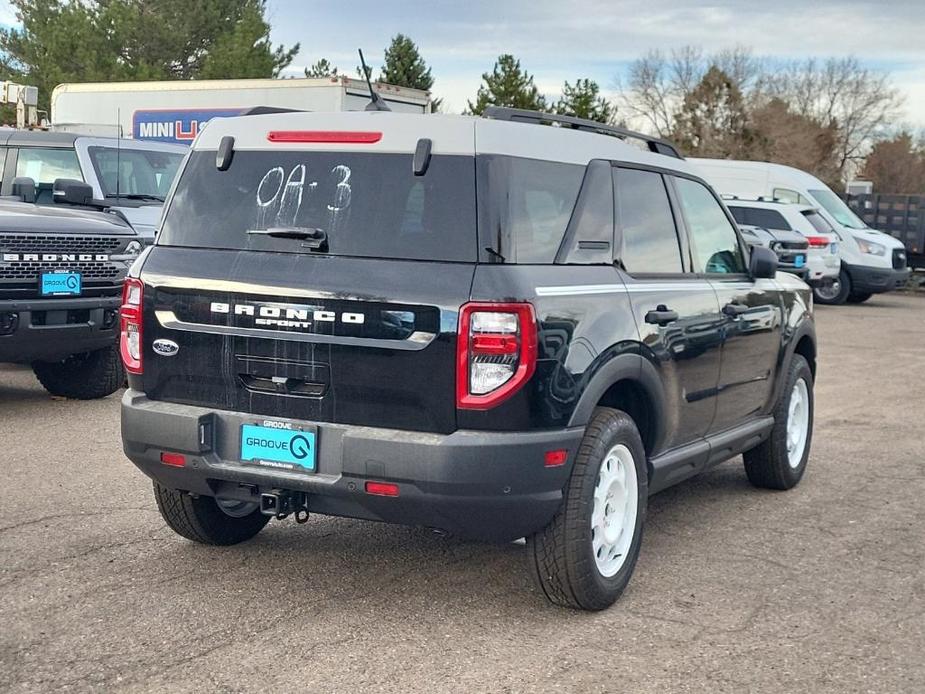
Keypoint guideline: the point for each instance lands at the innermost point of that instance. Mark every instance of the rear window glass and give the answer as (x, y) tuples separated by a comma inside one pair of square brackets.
[(769, 219), (818, 221), (529, 204), (369, 205), (760, 217)]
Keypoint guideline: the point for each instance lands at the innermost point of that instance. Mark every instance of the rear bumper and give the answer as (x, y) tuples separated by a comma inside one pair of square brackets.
[(822, 267), (488, 485), (868, 280), (52, 329)]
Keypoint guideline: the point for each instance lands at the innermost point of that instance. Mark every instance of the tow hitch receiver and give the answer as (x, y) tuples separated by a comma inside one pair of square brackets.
[(280, 503)]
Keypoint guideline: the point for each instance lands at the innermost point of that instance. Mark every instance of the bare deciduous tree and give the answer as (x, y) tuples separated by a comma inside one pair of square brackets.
[(836, 95), (857, 100), (657, 85)]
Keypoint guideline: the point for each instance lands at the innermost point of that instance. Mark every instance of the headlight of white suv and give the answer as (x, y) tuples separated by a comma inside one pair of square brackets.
[(871, 247)]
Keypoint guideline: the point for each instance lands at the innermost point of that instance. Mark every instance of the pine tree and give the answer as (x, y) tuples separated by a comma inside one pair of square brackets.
[(322, 68), (63, 41), (507, 85), (713, 120), (404, 66), (584, 101)]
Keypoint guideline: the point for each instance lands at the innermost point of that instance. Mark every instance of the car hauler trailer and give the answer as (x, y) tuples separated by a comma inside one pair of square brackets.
[(174, 111)]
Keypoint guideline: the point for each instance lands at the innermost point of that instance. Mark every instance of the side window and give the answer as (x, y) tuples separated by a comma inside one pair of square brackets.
[(818, 221), (590, 231), (541, 197), (787, 195), (649, 238), (769, 219), (46, 165), (740, 214), (715, 242)]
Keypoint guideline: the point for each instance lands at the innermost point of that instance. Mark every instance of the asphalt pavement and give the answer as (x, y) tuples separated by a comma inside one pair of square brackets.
[(820, 589)]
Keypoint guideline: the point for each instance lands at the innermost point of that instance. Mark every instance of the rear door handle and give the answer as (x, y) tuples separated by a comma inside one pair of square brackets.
[(661, 315), (735, 310)]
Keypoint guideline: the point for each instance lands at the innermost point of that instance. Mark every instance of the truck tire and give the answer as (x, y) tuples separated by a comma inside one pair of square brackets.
[(780, 461), (85, 376), (585, 557), (201, 519), (858, 297), (836, 293)]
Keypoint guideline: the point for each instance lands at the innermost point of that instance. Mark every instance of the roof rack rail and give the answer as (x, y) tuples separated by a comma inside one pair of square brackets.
[(654, 144)]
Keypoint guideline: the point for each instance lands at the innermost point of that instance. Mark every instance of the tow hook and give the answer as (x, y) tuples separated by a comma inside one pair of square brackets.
[(280, 503)]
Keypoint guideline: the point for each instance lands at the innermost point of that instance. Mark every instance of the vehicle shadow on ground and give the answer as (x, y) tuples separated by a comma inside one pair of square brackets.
[(19, 385), (344, 560)]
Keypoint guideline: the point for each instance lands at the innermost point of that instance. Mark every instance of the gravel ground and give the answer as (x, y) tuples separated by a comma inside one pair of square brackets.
[(819, 589)]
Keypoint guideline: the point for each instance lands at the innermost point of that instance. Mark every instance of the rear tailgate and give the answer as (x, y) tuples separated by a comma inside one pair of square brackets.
[(362, 342), (318, 273)]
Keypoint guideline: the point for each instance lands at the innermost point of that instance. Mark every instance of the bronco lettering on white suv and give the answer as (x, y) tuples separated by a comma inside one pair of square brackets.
[(481, 325)]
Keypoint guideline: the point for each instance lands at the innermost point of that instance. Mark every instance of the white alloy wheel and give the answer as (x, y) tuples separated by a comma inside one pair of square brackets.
[(829, 290), (613, 520), (797, 423)]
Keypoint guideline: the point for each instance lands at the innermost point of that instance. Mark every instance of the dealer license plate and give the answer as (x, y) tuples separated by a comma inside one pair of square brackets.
[(277, 447), (60, 284)]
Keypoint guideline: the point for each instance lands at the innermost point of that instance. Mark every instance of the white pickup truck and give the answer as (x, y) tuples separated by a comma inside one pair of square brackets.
[(132, 177)]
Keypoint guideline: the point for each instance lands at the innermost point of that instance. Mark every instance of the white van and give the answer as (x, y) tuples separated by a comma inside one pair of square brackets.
[(871, 261)]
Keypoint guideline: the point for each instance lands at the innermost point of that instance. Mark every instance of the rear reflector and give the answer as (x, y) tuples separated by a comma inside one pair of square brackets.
[(555, 458), (175, 459), (817, 241), (339, 137), (382, 489)]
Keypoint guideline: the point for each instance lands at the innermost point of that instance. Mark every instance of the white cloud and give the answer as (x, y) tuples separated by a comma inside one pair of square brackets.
[(597, 38)]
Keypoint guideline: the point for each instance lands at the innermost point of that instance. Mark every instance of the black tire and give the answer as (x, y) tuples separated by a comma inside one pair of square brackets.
[(858, 297), (560, 556), (768, 465), (85, 376), (839, 297), (201, 520)]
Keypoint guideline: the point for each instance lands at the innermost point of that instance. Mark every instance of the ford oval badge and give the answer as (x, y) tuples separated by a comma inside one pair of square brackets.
[(166, 348)]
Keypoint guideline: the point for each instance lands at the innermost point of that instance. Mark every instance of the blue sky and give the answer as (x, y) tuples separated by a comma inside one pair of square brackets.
[(558, 40)]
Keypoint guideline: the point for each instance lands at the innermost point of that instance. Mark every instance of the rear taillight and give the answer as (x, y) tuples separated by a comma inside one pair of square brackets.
[(817, 241), (495, 354), (130, 325)]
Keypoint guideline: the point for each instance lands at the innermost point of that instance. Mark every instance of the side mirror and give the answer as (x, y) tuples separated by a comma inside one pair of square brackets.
[(24, 188), (763, 263), (72, 192)]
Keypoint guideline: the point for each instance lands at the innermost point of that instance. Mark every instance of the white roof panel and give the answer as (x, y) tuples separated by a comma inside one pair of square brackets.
[(466, 135)]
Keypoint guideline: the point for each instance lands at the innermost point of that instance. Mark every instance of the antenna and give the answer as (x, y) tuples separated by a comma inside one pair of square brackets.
[(376, 102)]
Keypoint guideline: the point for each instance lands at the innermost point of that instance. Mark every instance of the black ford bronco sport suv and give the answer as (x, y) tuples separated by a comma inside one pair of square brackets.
[(482, 325), (61, 275)]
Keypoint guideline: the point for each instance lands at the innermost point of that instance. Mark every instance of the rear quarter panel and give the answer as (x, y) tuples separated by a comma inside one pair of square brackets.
[(578, 334)]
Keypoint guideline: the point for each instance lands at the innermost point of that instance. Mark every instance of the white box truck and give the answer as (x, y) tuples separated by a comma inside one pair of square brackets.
[(174, 111)]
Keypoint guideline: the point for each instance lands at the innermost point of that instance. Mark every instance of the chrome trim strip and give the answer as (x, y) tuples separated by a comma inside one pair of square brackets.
[(417, 341), (573, 290)]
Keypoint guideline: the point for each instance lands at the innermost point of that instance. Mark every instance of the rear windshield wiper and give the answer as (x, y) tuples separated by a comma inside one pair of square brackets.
[(314, 238), (136, 196)]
